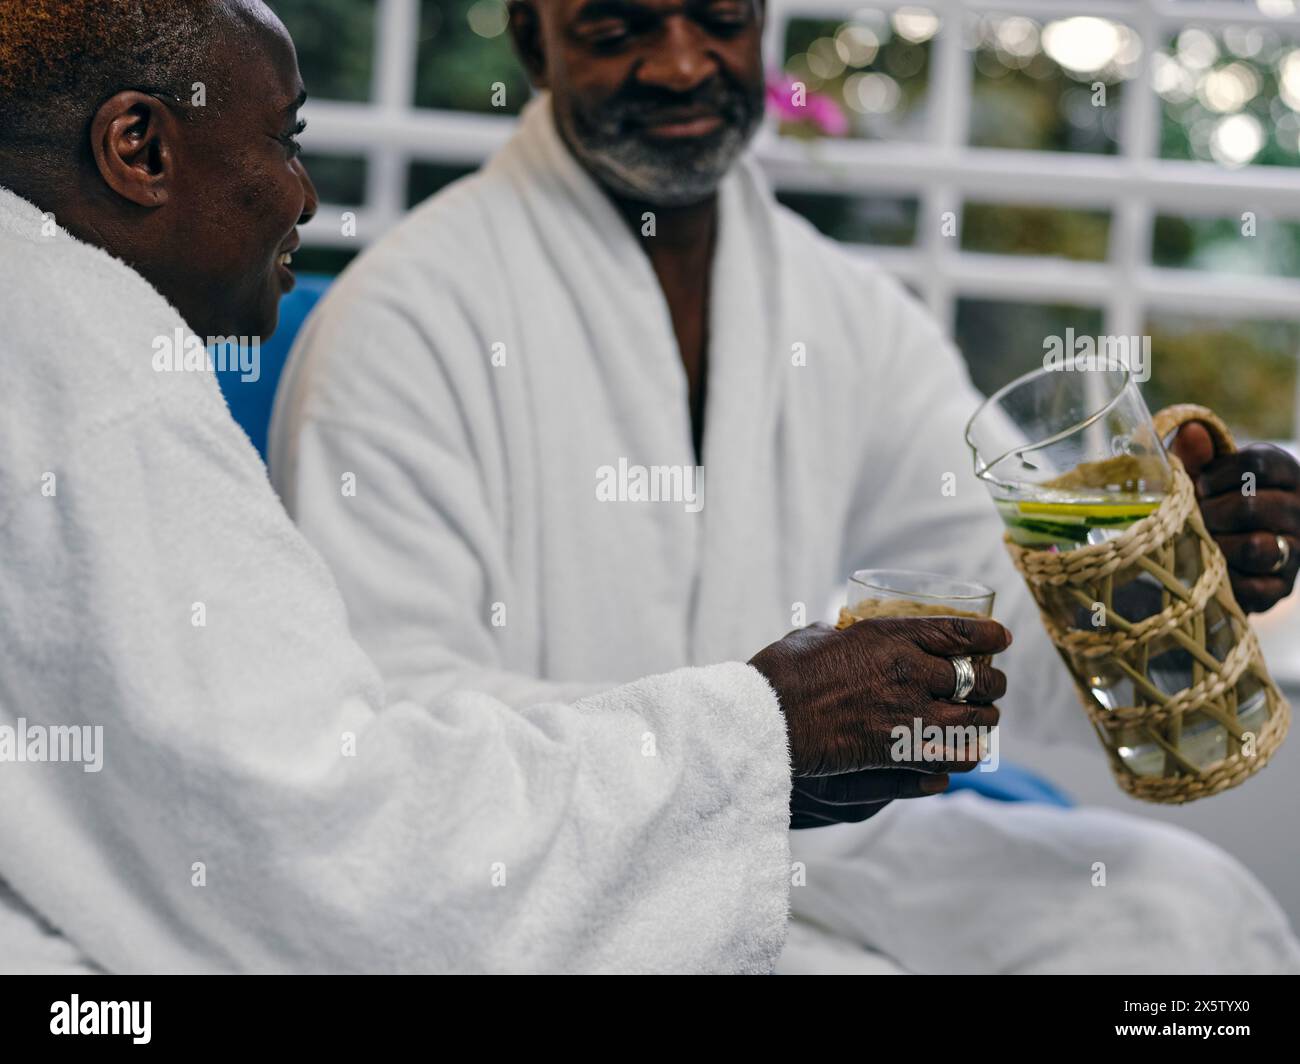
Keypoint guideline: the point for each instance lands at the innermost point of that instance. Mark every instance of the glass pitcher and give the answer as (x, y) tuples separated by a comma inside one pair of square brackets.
[(1071, 457)]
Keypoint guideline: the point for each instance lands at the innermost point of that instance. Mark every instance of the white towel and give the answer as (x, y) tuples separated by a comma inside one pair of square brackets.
[(479, 366), (259, 808)]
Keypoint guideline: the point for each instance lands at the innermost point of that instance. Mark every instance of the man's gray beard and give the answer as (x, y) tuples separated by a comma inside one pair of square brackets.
[(662, 176)]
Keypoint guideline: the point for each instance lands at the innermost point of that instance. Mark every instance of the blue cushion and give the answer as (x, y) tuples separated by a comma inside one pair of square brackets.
[(251, 401), (1010, 783)]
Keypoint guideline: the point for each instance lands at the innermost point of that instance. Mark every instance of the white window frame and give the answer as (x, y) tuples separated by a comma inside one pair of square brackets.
[(941, 170)]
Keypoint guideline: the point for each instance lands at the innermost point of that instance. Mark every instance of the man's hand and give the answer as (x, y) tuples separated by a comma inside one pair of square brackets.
[(1246, 525), (843, 693)]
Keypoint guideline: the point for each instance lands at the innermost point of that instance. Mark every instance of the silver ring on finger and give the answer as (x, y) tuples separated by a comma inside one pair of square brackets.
[(965, 670), (1283, 555)]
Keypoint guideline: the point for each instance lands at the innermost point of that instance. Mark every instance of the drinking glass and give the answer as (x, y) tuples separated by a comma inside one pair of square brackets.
[(908, 593)]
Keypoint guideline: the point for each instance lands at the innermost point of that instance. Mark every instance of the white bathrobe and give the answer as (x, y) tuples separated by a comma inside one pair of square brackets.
[(485, 368), (258, 806)]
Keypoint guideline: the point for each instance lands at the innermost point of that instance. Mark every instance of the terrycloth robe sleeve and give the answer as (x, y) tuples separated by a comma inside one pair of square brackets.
[(259, 807), (421, 550), (919, 505)]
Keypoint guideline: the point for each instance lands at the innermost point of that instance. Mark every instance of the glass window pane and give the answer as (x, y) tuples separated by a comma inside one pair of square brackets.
[(889, 221), (338, 179), (865, 77), (1230, 95), (335, 41), (1250, 245), (1243, 370), (1055, 85), (1017, 230), (1002, 340), (465, 61), (424, 179)]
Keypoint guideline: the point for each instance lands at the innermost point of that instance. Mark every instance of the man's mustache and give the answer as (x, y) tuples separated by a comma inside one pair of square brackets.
[(637, 108)]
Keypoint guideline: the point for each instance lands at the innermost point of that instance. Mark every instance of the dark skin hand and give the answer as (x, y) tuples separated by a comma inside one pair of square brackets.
[(1243, 525), (1246, 526), (843, 693)]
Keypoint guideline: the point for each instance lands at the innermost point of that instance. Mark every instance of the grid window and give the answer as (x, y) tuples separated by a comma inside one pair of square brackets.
[(1125, 165)]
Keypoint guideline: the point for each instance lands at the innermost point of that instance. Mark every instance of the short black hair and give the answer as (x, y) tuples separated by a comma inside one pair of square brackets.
[(61, 59)]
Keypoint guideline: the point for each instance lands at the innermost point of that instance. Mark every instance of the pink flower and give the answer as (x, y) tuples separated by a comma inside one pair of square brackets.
[(817, 109)]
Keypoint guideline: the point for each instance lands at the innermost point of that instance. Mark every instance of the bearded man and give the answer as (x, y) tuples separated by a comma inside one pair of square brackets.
[(618, 291), (249, 800)]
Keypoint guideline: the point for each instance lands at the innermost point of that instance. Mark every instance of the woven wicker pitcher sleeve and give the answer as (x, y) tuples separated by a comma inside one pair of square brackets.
[(1089, 574)]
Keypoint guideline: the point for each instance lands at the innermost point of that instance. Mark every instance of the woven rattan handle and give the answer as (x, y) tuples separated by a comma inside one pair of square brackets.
[(1174, 417)]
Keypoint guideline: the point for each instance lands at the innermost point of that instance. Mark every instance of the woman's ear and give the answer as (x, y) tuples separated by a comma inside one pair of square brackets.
[(526, 32), (132, 140)]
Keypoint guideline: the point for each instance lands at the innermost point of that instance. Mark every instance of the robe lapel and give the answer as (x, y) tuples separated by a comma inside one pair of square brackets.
[(605, 375), (739, 593), (604, 382)]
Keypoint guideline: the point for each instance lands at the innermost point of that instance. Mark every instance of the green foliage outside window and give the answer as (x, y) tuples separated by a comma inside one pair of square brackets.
[(335, 41), (459, 67)]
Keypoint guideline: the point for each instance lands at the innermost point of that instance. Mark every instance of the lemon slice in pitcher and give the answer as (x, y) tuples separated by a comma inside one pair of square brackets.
[(1068, 523)]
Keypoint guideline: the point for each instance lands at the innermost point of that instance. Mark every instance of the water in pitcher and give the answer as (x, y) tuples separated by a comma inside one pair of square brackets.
[(1092, 503)]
